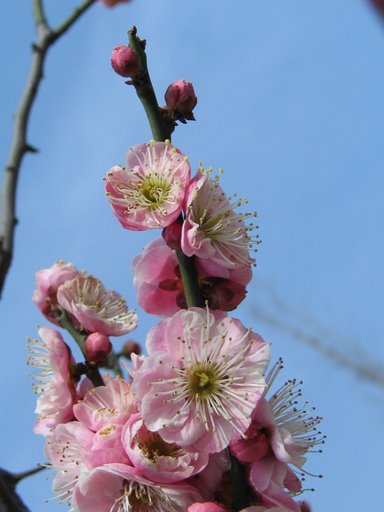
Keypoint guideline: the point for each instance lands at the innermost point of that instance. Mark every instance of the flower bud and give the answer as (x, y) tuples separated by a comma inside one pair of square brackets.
[(112, 3), (172, 234), (125, 61), (97, 347), (131, 347), (180, 96)]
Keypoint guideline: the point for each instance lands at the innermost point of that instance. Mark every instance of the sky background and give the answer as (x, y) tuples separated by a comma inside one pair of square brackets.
[(291, 105)]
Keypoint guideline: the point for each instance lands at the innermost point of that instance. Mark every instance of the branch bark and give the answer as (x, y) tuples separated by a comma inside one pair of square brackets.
[(45, 38)]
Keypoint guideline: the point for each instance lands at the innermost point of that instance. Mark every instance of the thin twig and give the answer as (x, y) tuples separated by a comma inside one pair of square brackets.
[(362, 365), (45, 38)]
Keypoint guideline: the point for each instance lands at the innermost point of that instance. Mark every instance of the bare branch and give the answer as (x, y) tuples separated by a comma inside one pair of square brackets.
[(354, 359), (10, 501), (19, 145)]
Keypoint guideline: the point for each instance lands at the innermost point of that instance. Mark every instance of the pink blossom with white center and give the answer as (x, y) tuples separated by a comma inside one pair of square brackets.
[(65, 450), (160, 289), (198, 385), (121, 488), (54, 385), (157, 460), (95, 308), (149, 192), (212, 229), (48, 281), (107, 405)]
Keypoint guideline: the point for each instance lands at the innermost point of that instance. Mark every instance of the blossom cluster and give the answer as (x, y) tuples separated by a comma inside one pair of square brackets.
[(167, 434)]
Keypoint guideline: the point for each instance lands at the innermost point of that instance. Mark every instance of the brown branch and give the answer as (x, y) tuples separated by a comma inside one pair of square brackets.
[(45, 38), (361, 363), (10, 501)]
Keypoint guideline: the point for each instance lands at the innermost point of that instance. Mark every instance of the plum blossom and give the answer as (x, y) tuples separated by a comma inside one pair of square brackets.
[(65, 450), (48, 281), (95, 308), (157, 460), (55, 384), (121, 488), (212, 229), (160, 289), (149, 192), (200, 380), (106, 405), (279, 424)]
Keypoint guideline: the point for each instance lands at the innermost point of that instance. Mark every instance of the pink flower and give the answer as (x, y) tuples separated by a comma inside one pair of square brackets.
[(210, 480), (55, 385), (160, 289), (267, 477), (279, 424), (65, 450), (121, 488), (202, 375), (107, 405), (48, 281), (212, 229), (157, 460), (94, 307), (107, 447), (148, 193), (125, 61), (208, 506)]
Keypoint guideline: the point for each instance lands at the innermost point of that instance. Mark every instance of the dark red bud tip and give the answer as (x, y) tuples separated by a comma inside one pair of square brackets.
[(125, 61), (97, 347), (172, 235), (131, 347), (180, 96), (304, 507)]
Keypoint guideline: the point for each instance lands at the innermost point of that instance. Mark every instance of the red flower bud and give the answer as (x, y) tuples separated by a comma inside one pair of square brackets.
[(131, 347), (172, 234), (125, 61), (97, 347), (181, 96), (112, 3)]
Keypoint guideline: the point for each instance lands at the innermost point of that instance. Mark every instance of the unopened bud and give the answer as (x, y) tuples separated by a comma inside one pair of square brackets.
[(131, 347), (125, 61), (172, 234), (112, 3), (97, 347), (181, 96), (304, 507)]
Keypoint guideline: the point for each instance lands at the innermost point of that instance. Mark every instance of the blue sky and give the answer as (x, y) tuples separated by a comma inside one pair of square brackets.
[(291, 106)]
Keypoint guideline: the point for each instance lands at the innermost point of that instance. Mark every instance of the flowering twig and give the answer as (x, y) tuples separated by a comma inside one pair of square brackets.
[(161, 131), (46, 37)]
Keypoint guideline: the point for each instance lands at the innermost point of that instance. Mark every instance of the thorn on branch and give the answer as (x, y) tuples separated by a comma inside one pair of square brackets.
[(31, 149), (36, 48)]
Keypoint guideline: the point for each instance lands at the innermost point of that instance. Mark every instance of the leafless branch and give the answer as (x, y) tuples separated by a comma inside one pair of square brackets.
[(323, 339), (10, 501), (45, 38)]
